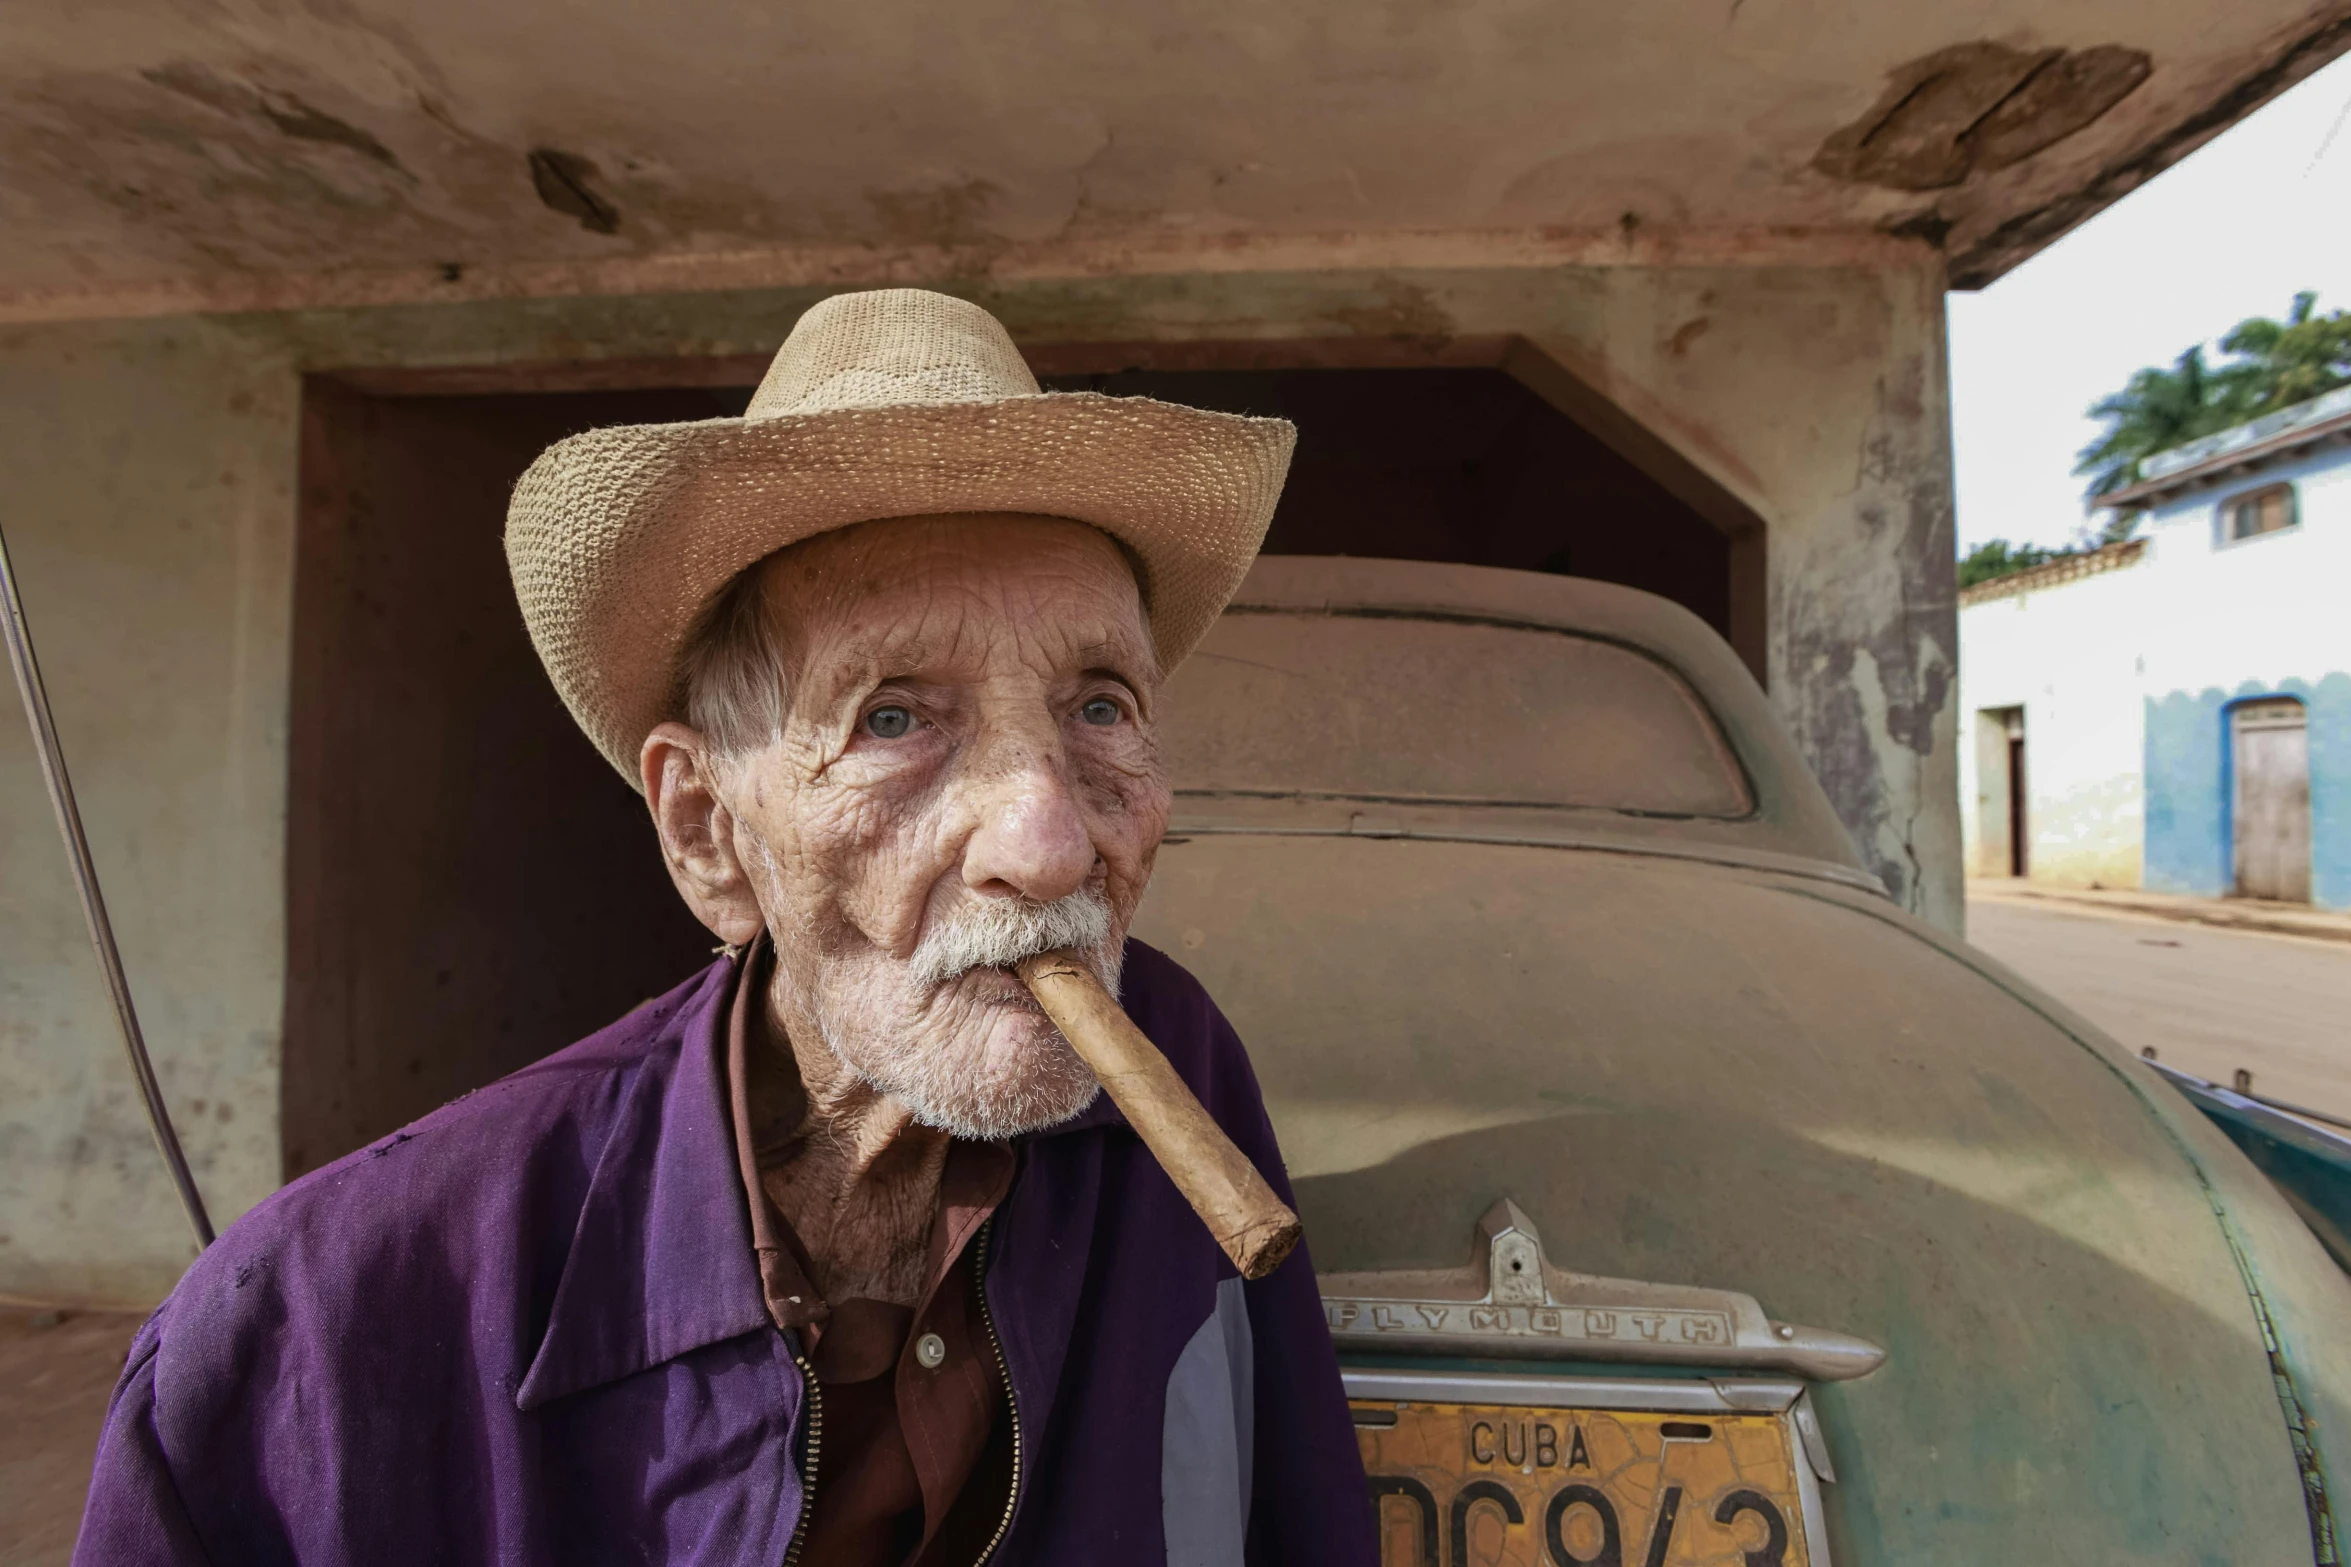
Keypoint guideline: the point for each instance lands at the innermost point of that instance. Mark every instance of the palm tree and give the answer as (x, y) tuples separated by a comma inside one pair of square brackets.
[(2272, 365), (2304, 356), (2159, 409)]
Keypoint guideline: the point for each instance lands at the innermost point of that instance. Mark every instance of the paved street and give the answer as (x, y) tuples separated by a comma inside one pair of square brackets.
[(2209, 1001)]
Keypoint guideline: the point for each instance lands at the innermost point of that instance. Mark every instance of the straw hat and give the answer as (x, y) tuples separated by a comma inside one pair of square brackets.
[(894, 403)]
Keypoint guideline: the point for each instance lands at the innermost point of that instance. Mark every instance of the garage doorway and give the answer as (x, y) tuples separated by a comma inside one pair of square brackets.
[(2269, 799), (471, 887)]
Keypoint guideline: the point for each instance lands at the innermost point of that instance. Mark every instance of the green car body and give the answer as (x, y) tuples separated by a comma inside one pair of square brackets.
[(1500, 920)]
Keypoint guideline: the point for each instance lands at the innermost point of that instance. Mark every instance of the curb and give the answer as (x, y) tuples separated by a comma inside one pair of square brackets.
[(2218, 913)]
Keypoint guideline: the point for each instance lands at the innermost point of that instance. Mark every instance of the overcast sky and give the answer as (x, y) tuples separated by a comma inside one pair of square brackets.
[(2262, 211)]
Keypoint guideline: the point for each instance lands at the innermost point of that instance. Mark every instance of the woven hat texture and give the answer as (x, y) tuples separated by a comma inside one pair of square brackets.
[(893, 403)]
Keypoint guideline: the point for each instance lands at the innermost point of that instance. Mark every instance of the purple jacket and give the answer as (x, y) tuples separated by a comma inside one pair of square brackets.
[(528, 1329)]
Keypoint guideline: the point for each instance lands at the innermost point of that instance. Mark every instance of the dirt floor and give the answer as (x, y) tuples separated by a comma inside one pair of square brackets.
[(55, 1372), (2210, 1001)]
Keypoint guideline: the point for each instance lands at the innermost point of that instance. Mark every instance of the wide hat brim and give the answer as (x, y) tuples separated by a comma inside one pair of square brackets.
[(618, 538)]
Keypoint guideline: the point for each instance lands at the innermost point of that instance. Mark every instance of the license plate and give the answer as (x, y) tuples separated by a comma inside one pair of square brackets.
[(1505, 1471)]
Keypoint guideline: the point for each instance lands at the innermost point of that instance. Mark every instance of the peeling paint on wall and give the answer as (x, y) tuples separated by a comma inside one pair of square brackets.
[(1872, 647), (566, 183), (1991, 249), (1978, 106)]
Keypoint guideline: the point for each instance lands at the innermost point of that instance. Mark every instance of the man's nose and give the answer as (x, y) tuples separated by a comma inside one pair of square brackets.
[(1031, 839)]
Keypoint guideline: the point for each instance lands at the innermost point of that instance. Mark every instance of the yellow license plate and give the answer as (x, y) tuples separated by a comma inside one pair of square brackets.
[(1500, 1485)]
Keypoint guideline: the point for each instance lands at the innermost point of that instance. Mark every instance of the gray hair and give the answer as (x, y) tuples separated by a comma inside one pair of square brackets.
[(731, 668)]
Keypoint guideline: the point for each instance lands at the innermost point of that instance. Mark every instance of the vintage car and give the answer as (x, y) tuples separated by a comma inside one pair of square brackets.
[(1675, 1197)]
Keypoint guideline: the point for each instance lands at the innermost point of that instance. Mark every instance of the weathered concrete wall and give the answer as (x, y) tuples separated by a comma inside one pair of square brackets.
[(153, 470), (1821, 401), (150, 472), (159, 156)]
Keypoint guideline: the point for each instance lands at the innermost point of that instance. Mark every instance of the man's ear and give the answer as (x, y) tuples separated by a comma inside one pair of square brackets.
[(698, 834)]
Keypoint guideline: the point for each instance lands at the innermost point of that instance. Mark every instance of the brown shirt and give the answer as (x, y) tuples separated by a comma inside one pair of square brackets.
[(912, 1461)]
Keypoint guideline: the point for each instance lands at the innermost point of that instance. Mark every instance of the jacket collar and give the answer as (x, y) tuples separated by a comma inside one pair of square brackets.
[(661, 1262), (1099, 1114)]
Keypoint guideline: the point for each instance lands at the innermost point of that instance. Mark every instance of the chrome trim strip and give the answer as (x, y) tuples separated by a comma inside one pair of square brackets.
[(1816, 1442), (1508, 1301), (1668, 1395)]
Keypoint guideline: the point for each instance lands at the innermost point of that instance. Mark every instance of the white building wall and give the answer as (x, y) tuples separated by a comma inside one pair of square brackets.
[(2070, 656), (2264, 609)]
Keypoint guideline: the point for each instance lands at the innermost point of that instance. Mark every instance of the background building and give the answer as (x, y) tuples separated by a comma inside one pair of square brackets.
[(2174, 713)]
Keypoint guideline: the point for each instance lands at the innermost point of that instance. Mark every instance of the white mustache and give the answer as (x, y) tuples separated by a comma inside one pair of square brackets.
[(998, 932)]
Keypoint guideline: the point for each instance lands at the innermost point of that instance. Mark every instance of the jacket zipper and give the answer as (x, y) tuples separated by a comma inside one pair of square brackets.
[(815, 1435), (1011, 1399), (816, 1418)]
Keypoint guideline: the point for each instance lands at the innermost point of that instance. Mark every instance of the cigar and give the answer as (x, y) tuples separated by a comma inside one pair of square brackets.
[(1255, 1227)]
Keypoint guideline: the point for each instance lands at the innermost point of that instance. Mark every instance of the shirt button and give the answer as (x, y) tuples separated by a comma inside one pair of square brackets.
[(929, 1351)]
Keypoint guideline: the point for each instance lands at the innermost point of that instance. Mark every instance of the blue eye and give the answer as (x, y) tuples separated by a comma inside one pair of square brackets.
[(1101, 712), (888, 723)]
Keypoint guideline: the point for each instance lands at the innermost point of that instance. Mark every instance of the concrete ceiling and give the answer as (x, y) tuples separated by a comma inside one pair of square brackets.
[(244, 153)]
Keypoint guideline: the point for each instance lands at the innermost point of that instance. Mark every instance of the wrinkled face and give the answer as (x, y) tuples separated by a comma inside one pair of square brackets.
[(966, 774)]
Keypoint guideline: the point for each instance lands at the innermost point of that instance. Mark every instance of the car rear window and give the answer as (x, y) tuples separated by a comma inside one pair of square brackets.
[(1431, 709)]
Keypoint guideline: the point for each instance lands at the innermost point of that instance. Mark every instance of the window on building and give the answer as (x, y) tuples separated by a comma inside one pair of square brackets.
[(2256, 512)]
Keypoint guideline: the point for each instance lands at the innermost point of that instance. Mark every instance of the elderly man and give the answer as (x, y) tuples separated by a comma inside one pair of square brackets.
[(833, 1254)]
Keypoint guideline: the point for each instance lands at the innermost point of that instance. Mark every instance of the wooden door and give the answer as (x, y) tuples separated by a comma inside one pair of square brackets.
[(2270, 800)]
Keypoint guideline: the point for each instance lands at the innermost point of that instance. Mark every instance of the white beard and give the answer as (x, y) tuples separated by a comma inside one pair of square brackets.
[(951, 1034)]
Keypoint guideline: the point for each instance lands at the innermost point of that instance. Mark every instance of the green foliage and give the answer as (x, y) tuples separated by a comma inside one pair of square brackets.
[(2304, 356), (1999, 558), (2271, 365), (2156, 410)]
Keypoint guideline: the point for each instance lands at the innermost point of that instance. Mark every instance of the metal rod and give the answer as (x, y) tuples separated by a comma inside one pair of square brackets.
[(69, 823)]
